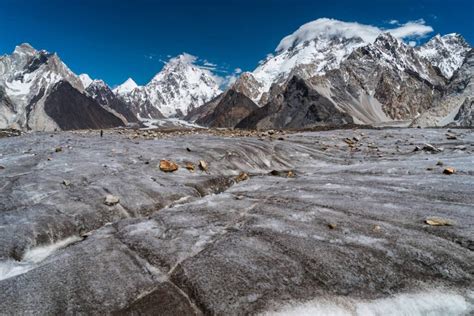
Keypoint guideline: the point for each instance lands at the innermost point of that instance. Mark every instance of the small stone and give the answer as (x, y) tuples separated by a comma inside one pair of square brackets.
[(242, 177), (168, 166), (66, 183), (49, 159), (190, 166), (58, 149), (332, 226), (203, 165), (281, 138), (431, 148), (438, 221), (439, 163), (239, 197), (188, 149), (430, 168), (377, 228), (460, 147), (451, 137), (2, 167), (290, 174), (111, 200), (449, 170)]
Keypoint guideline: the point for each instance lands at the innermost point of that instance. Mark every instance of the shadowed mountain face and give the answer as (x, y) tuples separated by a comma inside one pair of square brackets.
[(297, 106), (71, 109), (228, 110), (101, 93)]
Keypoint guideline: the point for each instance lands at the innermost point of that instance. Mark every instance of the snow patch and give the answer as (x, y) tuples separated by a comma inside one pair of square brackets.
[(32, 258), (433, 303)]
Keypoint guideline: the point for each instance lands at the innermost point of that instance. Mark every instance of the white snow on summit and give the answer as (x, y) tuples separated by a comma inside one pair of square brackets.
[(321, 45), (179, 87), (128, 86), (445, 52), (85, 79)]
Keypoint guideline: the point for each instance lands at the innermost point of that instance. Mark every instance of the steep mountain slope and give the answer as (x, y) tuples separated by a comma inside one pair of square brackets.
[(227, 111), (445, 52), (79, 111), (383, 81), (456, 104), (297, 106), (178, 88), (372, 75), (102, 94), (27, 78)]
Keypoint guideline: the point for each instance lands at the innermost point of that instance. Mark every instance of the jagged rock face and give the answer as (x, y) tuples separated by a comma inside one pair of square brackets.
[(230, 109), (456, 102), (29, 79), (100, 92), (297, 107), (180, 87), (445, 52), (70, 109), (465, 115), (390, 72), (304, 58)]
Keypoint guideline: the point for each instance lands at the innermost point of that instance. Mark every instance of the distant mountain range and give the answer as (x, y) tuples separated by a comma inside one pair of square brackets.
[(333, 77)]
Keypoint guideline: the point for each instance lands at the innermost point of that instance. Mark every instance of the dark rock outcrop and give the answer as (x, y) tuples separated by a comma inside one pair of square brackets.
[(101, 93), (71, 109), (297, 106), (226, 111)]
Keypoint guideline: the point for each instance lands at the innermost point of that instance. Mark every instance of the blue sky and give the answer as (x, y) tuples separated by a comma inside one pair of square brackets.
[(113, 40)]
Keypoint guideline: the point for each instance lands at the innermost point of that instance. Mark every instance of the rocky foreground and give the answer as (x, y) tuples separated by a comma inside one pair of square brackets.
[(367, 222)]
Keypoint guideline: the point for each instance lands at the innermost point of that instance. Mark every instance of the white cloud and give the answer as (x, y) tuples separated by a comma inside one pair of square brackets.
[(394, 22), (412, 43), (238, 70), (368, 33)]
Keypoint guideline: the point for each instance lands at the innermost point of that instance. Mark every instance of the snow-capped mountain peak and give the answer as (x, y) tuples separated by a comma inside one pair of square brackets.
[(446, 52), (179, 87), (86, 80), (128, 86), (24, 49)]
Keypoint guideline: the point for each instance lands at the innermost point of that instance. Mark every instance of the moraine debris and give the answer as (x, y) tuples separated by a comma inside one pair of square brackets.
[(111, 200), (438, 221), (190, 166), (203, 165), (242, 177), (168, 166), (449, 170)]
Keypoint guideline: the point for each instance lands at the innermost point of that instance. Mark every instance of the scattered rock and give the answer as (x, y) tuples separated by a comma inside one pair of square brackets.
[(66, 183), (451, 137), (439, 163), (449, 170), (281, 138), (460, 147), (2, 167), (168, 166), (430, 168), (190, 166), (438, 221), (377, 228), (203, 165), (332, 226), (58, 149), (188, 149), (431, 148), (290, 174), (242, 177), (111, 200)]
